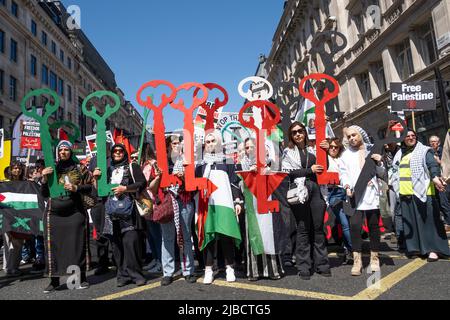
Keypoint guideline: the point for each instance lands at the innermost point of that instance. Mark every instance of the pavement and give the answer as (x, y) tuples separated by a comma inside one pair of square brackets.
[(400, 279)]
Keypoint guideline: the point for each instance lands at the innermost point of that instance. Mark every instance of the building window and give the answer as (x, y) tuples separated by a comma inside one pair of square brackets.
[(404, 60), (69, 116), (44, 74), (12, 88), (3, 2), (428, 43), (380, 77), (2, 41), (60, 87), (33, 28), (69, 93), (53, 81), (61, 55), (33, 63), (2, 82), (365, 87), (13, 53), (14, 9), (69, 63), (44, 38), (54, 48)]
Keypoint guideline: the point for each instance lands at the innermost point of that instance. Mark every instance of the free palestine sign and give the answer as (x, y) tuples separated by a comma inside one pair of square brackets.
[(420, 96)]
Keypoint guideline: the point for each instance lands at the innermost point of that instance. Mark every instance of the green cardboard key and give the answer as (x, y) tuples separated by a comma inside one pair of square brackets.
[(104, 189), (56, 189)]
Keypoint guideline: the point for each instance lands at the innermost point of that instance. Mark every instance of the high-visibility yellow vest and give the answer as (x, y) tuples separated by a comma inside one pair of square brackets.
[(406, 186)]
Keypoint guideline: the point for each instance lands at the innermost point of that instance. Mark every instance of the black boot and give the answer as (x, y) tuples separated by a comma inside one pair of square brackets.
[(54, 283)]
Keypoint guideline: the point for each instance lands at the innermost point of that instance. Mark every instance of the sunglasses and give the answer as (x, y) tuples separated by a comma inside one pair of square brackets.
[(334, 147), (118, 151), (248, 148), (134, 158), (295, 132), (210, 141)]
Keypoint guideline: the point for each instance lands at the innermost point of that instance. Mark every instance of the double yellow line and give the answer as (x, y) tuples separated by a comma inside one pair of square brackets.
[(371, 293)]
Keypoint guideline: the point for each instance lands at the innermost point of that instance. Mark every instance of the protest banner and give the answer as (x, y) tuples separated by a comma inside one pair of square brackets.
[(91, 142), (31, 136)]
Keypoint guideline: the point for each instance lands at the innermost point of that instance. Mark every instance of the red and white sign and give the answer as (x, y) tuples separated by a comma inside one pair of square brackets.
[(92, 142), (31, 136)]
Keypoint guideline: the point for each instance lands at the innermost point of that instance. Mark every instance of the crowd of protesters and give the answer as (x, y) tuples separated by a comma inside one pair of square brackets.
[(212, 232)]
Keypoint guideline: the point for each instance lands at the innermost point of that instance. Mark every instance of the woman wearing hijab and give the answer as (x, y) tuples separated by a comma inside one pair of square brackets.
[(368, 208), (417, 179), (217, 221), (66, 221), (309, 215), (126, 230)]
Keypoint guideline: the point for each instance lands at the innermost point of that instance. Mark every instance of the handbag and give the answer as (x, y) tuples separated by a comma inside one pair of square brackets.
[(143, 203), (294, 197), (163, 211), (121, 207)]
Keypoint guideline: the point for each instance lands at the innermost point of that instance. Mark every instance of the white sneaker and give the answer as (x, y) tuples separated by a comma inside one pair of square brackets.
[(209, 276), (230, 275)]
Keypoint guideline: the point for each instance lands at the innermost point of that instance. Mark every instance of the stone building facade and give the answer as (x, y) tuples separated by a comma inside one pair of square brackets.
[(366, 45)]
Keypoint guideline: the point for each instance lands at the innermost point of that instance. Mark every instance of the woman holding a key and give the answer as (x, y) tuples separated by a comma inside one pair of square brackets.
[(66, 223), (308, 211)]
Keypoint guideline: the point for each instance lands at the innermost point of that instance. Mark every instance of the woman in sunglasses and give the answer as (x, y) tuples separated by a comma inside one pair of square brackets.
[(126, 230), (309, 215)]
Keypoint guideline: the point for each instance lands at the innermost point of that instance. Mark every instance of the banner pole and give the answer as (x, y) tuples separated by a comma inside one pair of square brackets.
[(146, 114), (27, 163), (414, 120)]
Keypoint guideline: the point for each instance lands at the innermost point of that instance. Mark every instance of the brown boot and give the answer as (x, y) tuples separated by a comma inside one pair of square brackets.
[(357, 264), (374, 262)]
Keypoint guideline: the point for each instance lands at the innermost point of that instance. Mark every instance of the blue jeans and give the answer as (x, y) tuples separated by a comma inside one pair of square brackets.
[(39, 245), (334, 196), (154, 239), (169, 242), (397, 214)]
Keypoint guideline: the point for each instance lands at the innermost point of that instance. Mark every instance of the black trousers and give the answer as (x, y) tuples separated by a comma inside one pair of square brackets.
[(227, 246), (102, 243), (356, 224), (310, 233), (127, 254)]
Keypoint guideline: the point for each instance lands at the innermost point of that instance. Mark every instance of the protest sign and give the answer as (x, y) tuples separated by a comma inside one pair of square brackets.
[(31, 136)]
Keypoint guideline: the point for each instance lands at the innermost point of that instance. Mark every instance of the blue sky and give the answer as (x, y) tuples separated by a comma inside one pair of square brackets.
[(181, 41)]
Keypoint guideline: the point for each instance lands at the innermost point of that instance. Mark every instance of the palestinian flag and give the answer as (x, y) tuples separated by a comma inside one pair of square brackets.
[(265, 231), (217, 216), (21, 208)]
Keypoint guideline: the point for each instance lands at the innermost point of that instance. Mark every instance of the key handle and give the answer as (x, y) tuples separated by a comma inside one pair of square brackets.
[(104, 188), (218, 103)]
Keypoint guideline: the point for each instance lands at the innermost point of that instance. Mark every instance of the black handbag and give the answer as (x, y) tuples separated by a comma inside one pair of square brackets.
[(121, 207)]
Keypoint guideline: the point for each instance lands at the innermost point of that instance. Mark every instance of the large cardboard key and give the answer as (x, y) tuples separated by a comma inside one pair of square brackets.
[(56, 189), (326, 177), (104, 189), (260, 184), (158, 126)]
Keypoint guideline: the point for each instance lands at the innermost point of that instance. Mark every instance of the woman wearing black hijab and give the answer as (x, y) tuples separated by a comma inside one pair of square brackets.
[(126, 231), (66, 221)]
